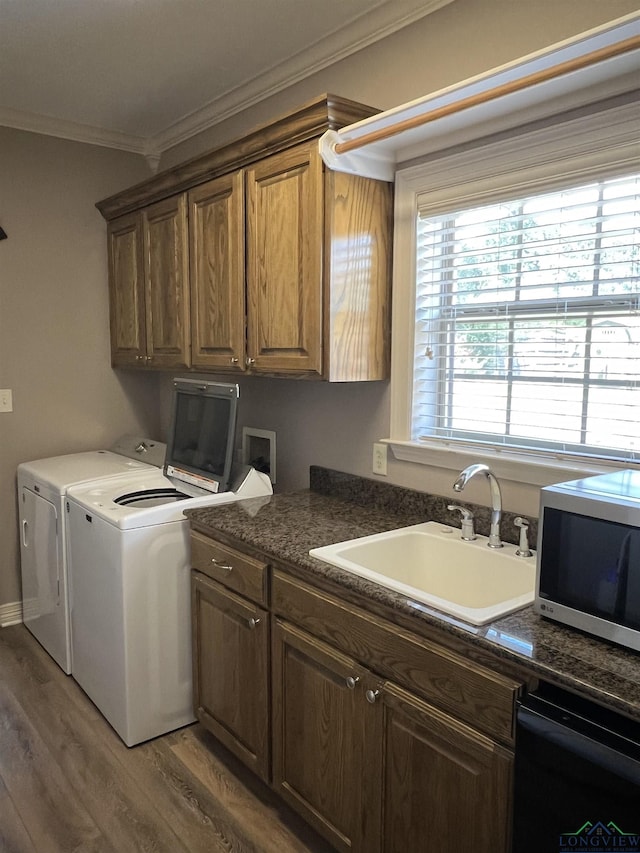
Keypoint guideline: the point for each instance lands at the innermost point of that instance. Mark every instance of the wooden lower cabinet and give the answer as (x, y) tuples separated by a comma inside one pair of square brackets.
[(446, 788), (383, 740), (231, 670), (374, 768), (322, 732)]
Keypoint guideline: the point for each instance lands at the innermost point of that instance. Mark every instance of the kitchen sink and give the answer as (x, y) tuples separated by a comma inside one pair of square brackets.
[(430, 563)]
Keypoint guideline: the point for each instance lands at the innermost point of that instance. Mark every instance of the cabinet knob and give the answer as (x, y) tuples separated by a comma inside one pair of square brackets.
[(149, 359), (250, 361), (233, 360), (225, 566), (139, 357), (253, 622), (371, 696), (351, 681)]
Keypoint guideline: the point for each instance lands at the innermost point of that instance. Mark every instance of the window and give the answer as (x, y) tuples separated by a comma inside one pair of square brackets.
[(516, 315), (528, 321)]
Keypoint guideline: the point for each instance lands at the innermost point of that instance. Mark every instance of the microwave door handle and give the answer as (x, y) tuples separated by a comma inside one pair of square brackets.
[(623, 578)]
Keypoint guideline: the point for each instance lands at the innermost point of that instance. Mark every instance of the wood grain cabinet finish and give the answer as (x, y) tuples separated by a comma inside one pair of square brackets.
[(233, 569), (383, 740), (149, 296), (217, 245), (446, 787), (231, 650), (284, 262), (231, 670), (322, 737), (318, 269), (423, 779), (280, 267), (127, 290)]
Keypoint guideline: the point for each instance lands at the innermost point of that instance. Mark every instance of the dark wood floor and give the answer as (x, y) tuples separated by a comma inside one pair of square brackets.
[(67, 782)]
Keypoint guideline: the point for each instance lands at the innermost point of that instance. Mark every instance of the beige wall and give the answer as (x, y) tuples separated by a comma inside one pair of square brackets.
[(54, 351), (54, 344)]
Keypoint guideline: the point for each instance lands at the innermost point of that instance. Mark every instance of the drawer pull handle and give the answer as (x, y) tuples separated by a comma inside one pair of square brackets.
[(224, 566), (253, 622), (351, 681), (371, 696)]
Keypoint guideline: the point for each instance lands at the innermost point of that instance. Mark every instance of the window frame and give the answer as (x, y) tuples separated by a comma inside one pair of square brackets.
[(601, 141)]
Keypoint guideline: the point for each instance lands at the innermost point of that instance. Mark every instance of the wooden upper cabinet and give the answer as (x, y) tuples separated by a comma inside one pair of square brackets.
[(167, 283), (318, 269), (126, 290), (216, 241), (149, 287), (357, 268), (256, 257), (284, 262)]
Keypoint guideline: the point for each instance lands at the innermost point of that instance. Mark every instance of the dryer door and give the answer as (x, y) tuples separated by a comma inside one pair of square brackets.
[(40, 552)]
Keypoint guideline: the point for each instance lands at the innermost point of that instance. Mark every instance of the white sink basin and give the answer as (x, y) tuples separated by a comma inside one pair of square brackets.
[(432, 564)]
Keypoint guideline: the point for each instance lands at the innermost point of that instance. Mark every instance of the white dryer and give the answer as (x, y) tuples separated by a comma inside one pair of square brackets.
[(130, 567), (42, 488)]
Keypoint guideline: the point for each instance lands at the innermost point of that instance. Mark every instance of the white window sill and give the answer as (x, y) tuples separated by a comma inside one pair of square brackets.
[(523, 468)]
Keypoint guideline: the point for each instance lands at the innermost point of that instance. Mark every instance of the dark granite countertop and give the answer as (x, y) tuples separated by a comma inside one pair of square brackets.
[(339, 507)]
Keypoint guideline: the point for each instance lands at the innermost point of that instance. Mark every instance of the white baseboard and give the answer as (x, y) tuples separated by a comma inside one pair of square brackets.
[(10, 614)]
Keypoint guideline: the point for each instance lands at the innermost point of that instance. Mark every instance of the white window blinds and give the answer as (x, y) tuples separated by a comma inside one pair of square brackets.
[(528, 321)]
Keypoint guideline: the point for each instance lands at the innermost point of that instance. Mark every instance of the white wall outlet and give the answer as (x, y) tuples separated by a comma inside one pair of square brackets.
[(379, 458), (6, 400)]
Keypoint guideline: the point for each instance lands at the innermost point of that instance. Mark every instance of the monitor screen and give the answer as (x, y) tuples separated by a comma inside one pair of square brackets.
[(201, 441)]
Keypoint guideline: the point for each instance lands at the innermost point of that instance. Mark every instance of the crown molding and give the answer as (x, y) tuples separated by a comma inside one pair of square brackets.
[(73, 131), (340, 45), (389, 17)]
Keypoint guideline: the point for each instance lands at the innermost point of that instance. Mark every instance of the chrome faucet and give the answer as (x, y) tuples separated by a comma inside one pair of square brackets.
[(496, 498)]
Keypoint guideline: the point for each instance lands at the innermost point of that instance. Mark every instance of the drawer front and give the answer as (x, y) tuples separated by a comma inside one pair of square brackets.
[(468, 691), (232, 569)]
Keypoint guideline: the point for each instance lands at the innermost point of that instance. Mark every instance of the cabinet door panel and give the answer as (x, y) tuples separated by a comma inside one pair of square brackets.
[(126, 284), (446, 787), (320, 734), (216, 219), (167, 294), (358, 227), (231, 670), (284, 262)]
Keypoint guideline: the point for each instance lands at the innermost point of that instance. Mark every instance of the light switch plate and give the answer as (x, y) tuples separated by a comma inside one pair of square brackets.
[(6, 400)]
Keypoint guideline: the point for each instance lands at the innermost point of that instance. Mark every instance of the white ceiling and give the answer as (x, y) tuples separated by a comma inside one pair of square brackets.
[(143, 75)]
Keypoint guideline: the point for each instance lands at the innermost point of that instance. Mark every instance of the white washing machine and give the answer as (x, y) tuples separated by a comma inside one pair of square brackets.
[(130, 567), (42, 487)]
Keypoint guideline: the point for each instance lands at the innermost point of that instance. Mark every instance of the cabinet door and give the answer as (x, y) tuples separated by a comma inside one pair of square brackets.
[(126, 290), (321, 728), (446, 788), (167, 283), (358, 236), (284, 262), (216, 228), (231, 671)]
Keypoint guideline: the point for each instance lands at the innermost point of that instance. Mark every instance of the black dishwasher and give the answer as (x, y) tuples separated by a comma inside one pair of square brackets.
[(577, 776)]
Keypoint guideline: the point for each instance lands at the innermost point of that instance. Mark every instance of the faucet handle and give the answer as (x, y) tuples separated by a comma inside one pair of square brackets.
[(468, 533), (523, 548)]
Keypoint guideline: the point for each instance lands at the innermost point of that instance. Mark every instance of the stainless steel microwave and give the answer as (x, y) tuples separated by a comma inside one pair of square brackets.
[(588, 557)]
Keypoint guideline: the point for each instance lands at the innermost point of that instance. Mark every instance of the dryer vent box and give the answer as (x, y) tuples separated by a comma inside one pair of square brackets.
[(259, 450)]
